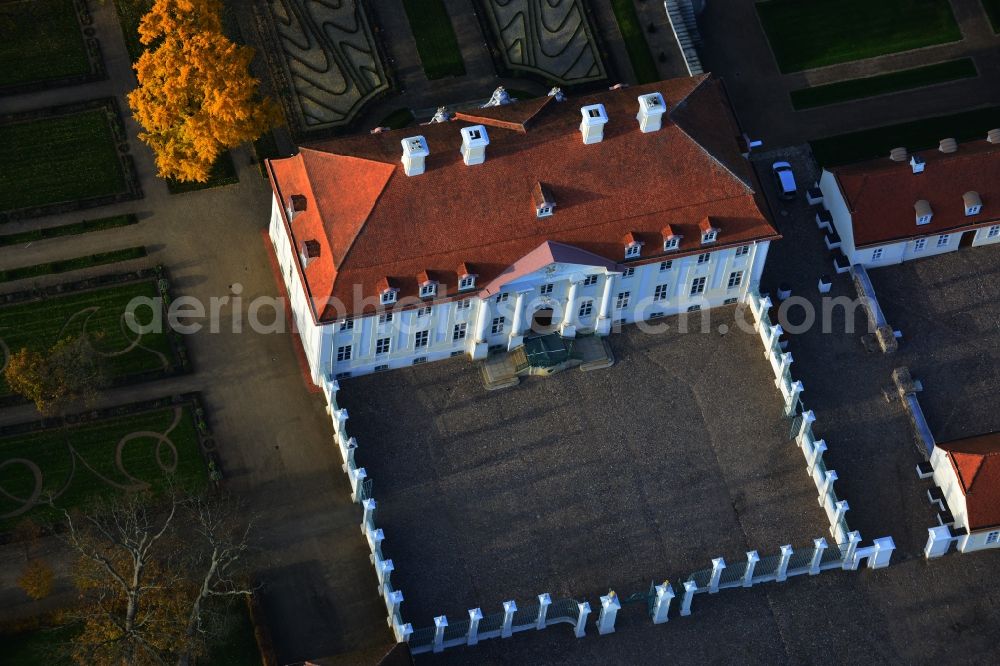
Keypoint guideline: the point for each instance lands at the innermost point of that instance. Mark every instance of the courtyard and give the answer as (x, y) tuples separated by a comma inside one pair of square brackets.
[(582, 481)]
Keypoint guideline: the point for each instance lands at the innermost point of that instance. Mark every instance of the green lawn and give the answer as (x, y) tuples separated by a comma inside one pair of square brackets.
[(41, 41), (398, 119), (223, 173), (74, 264), (130, 12), (40, 324), (635, 41), (883, 83), (73, 229), (436, 42), (916, 135), (992, 8), (58, 159), (239, 646), (815, 33), (78, 463), (48, 646)]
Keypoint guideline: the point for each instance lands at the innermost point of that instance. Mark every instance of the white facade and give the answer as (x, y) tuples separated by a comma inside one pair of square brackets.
[(946, 479), (582, 299), (893, 253)]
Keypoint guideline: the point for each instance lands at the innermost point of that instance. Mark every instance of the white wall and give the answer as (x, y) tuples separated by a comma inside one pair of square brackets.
[(983, 235), (945, 478)]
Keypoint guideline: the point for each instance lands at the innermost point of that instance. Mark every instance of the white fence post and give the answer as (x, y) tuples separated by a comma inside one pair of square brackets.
[(509, 608), (394, 599), (383, 571), (609, 611), (793, 398), (581, 620), (689, 589), (752, 559), (772, 340), (808, 417), (820, 545), (842, 507), (544, 601), (475, 616), (818, 450), (369, 514), (357, 478), (786, 360), (661, 608), (440, 622), (786, 554), (883, 553), (718, 564), (831, 476), (402, 632), (348, 452), (853, 539), (938, 541)]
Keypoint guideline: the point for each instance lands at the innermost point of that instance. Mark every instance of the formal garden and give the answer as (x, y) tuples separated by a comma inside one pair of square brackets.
[(435, 38), (881, 84), (73, 464), (64, 158), (98, 313), (806, 35), (46, 43)]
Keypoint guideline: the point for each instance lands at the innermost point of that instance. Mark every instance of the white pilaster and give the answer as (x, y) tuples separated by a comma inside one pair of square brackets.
[(689, 589), (475, 616), (581, 621), (610, 605), (786, 362), (793, 398), (853, 539), (752, 559), (938, 541), (718, 565), (604, 317), (509, 608), (517, 323), (831, 476), (544, 601), (786, 554), (440, 623), (820, 546), (481, 344), (883, 553), (818, 450), (369, 514), (568, 327)]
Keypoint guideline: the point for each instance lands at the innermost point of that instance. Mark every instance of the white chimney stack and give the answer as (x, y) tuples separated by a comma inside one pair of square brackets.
[(651, 110), (474, 142), (414, 151), (917, 163), (592, 125), (923, 211)]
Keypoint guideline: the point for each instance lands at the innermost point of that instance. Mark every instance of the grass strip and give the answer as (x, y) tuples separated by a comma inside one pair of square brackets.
[(643, 63), (77, 263), (992, 8), (915, 135), (817, 33), (881, 84), (74, 229), (223, 173), (435, 37)]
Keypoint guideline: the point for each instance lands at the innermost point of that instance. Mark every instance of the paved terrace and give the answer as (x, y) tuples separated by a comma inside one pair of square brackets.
[(582, 481)]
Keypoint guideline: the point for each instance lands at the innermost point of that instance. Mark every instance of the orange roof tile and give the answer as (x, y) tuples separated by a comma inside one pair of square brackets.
[(881, 194), (976, 461), (374, 222)]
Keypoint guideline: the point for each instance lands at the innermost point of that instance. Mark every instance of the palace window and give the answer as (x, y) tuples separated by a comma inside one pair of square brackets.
[(465, 304), (742, 250), (994, 231), (993, 537), (420, 339), (919, 244), (424, 311), (622, 300), (694, 308), (666, 265), (498, 323), (586, 308), (628, 272), (589, 280), (467, 282), (671, 243), (388, 296), (344, 353), (347, 325), (876, 254), (428, 290), (710, 236), (704, 258), (458, 333), (502, 298), (419, 360), (545, 289), (385, 317), (942, 240), (383, 345), (735, 279), (660, 293), (698, 286), (633, 251)]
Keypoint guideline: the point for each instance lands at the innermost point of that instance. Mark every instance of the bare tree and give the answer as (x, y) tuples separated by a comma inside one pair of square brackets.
[(148, 574)]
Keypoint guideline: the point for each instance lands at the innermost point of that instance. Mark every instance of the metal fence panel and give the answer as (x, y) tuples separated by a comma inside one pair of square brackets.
[(563, 609), (492, 622), (800, 559), (421, 637), (526, 615), (456, 630), (832, 554), (733, 573), (767, 566), (701, 578)]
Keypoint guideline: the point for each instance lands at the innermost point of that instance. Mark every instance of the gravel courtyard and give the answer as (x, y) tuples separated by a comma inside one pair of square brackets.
[(583, 481)]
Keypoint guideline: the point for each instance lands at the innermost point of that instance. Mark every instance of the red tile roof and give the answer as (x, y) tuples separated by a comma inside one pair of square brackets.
[(881, 194), (373, 222), (976, 461)]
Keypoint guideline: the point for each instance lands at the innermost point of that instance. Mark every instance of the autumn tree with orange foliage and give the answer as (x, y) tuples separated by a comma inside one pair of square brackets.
[(196, 97), (37, 578)]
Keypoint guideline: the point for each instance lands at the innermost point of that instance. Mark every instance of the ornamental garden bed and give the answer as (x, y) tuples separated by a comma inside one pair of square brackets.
[(435, 38), (47, 43), (805, 35), (40, 322), (992, 8), (74, 229), (64, 158), (136, 448)]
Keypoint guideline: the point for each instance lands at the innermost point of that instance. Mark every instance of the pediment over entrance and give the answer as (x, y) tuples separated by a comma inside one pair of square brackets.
[(550, 261)]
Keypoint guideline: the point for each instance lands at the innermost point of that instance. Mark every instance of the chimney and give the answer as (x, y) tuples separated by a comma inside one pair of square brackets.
[(948, 146), (898, 154), (296, 204), (993, 136), (474, 142), (917, 163), (414, 151), (592, 125), (973, 203), (924, 212), (651, 110), (309, 252)]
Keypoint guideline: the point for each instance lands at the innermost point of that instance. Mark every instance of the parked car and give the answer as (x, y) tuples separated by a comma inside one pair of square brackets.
[(784, 178)]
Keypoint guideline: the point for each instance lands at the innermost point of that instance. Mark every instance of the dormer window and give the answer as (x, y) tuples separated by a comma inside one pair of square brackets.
[(544, 211), (973, 203), (428, 289), (388, 296), (709, 236), (924, 213), (544, 200), (671, 243), (633, 250), (466, 282)]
